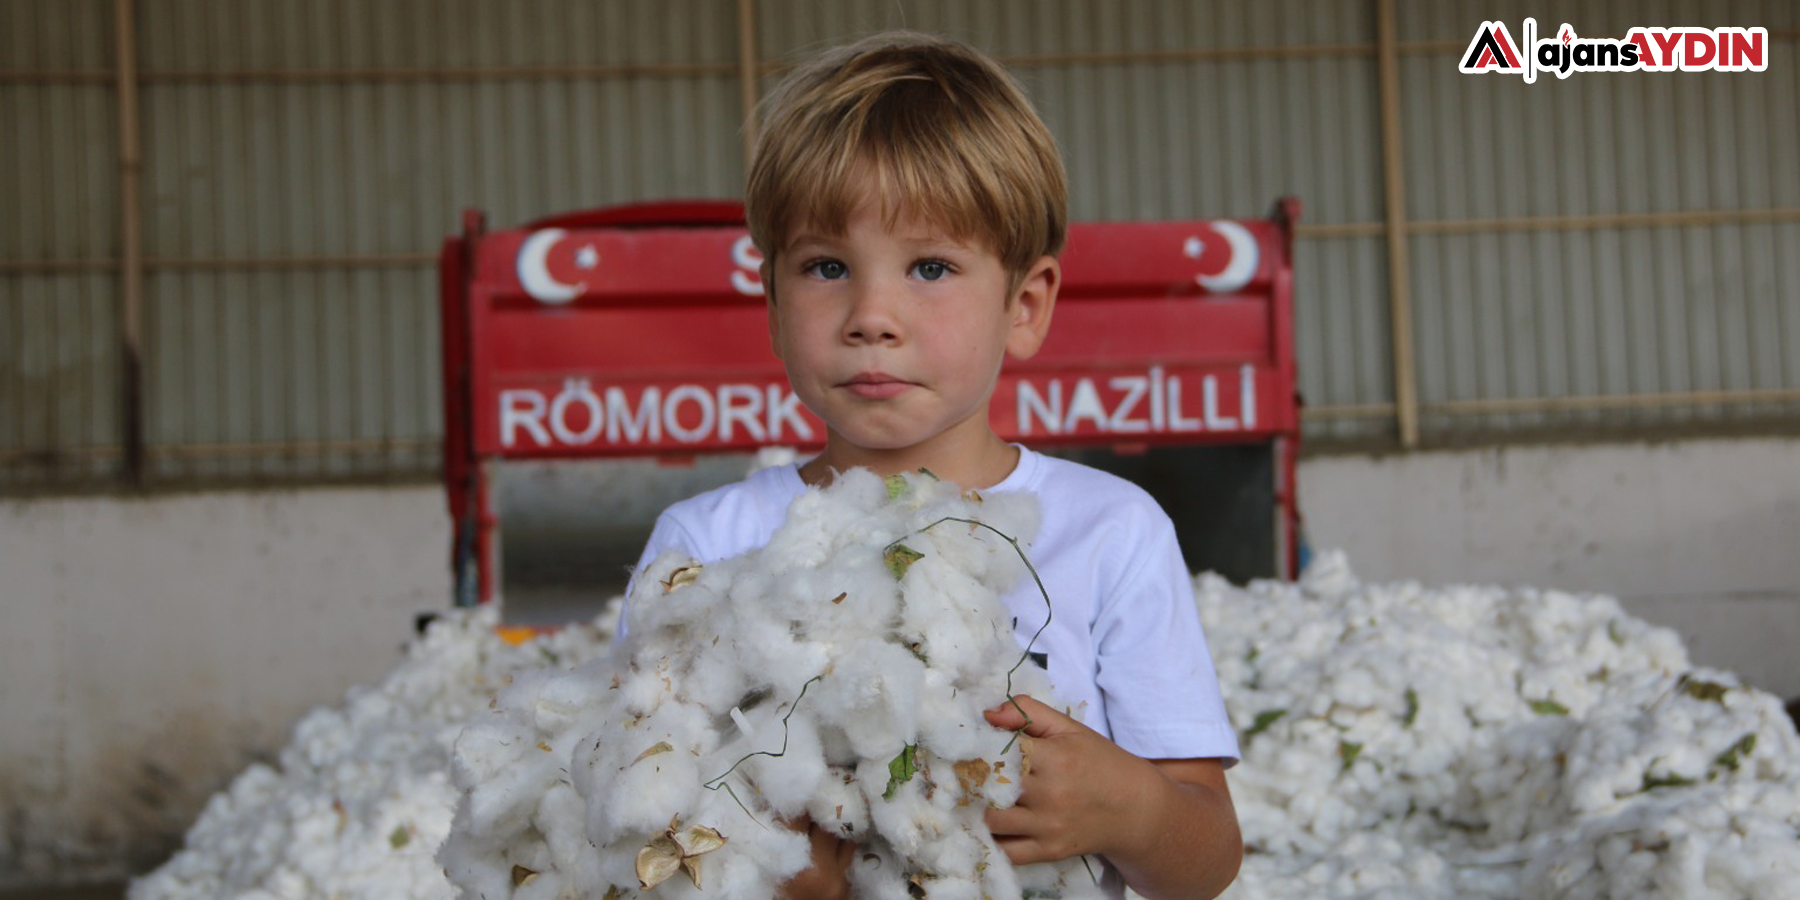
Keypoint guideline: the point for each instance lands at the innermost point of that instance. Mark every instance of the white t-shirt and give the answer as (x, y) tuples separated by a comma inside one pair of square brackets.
[(1125, 639)]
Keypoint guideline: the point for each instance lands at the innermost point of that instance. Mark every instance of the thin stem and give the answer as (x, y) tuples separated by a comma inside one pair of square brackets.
[(716, 783)]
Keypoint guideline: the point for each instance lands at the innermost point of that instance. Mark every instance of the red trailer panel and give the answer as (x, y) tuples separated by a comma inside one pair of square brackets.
[(641, 331)]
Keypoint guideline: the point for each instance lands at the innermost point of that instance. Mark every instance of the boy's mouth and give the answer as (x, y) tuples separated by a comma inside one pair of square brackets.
[(875, 385)]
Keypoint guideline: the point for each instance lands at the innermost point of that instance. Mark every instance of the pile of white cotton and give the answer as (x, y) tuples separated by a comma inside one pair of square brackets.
[(1399, 741), (840, 673), (358, 803), (1471, 742)]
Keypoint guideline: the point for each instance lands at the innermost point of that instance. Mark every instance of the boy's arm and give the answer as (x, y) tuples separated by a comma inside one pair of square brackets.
[(1167, 825)]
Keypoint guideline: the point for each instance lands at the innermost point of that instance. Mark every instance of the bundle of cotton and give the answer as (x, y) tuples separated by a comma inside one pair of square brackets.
[(1480, 742), (839, 673), (357, 804)]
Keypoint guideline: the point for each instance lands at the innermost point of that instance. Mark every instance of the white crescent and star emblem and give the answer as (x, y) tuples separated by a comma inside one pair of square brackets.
[(1240, 267), (534, 269)]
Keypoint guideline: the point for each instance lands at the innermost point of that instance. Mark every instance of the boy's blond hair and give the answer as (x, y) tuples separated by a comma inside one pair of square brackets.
[(937, 129)]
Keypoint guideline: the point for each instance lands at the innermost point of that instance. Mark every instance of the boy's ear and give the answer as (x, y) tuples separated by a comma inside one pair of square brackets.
[(767, 272), (1032, 303)]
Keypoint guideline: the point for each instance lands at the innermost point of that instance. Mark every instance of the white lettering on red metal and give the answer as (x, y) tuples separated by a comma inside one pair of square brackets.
[(784, 407), (644, 426), (1177, 421), (576, 394), (1124, 419), (1227, 255), (577, 415), (746, 279), (523, 409), (1247, 396), (702, 401), (740, 404), (551, 273), (1132, 404)]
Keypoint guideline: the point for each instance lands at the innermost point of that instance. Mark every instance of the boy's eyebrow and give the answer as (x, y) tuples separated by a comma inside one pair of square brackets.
[(803, 240)]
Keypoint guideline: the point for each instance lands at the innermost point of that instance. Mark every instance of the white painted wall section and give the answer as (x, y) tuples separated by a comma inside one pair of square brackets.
[(150, 648)]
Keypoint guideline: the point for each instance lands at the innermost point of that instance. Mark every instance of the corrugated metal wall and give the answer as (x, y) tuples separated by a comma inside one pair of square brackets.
[(1620, 243), (59, 175), (1611, 251), (341, 139)]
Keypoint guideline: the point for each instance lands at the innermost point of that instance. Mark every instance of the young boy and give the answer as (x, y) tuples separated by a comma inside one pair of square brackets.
[(910, 206)]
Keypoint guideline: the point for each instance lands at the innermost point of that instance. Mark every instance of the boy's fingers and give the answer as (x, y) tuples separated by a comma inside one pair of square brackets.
[(1021, 851), (1011, 822), (1004, 717), (1045, 720)]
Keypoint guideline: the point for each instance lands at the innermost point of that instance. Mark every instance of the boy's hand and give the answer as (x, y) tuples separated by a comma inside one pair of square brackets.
[(1167, 825), (1071, 801), (829, 876)]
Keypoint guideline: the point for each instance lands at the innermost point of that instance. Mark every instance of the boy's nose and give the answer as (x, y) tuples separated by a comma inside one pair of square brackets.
[(872, 319)]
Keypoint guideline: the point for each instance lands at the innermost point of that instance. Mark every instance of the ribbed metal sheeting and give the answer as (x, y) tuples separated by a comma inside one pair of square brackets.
[(1582, 307), (302, 159), (59, 356)]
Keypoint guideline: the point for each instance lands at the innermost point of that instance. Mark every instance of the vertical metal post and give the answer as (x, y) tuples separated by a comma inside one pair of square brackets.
[(1393, 169), (131, 236), (747, 80)]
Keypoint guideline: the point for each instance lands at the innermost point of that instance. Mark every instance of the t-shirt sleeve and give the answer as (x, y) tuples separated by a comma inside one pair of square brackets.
[(1154, 669)]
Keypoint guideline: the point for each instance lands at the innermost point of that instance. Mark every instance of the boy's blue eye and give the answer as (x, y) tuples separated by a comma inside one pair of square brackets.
[(828, 269), (931, 269)]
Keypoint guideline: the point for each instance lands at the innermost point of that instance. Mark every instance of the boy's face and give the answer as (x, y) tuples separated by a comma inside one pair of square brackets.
[(895, 336)]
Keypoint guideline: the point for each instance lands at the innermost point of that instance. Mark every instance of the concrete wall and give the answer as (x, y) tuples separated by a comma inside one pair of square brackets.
[(149, 648)]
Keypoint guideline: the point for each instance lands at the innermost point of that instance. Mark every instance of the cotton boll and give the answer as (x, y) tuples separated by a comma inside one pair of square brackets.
[(638, 798), (767, 652), (1328, 575), (839, 806), (998, 879), (1016, 514), (503, 799), (952, 631), (820, 520), (715, 680), (873, 691), (839, 600), (953, 859), (561, 704), (787, 782), (741, 876), (876, 874), (1028, 680), (613, 864), (645, 685), (904, 819), (952, 725), (645, 611), (559, 819)]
